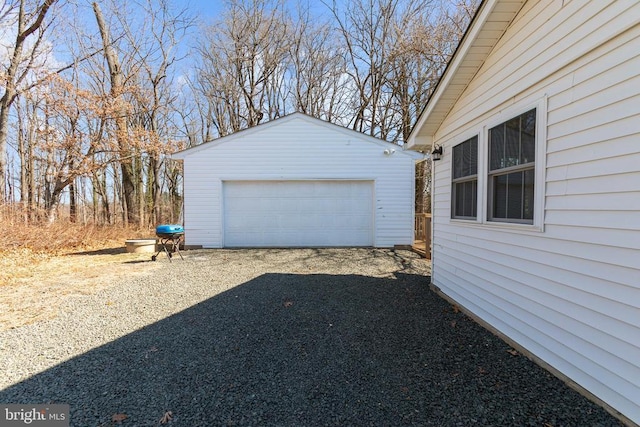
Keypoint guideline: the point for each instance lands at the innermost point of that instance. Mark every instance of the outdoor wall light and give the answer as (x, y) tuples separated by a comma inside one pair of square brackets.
[(436, 154), (389, 151)]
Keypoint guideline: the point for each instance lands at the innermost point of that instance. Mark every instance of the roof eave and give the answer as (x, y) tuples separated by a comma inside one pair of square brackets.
[(181, 155), (487, 27)]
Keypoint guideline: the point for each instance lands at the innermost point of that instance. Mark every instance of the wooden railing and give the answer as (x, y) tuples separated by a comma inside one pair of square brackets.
[(422, 234)]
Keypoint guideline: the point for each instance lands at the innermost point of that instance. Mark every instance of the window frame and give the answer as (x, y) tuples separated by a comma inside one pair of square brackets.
[(518, 108), (480, 126), (464, 179), (492, 175)]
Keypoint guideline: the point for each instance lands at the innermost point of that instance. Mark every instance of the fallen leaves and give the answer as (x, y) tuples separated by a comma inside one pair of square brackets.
[(513, 352), (119, 417), (287, 303), (168, 416)]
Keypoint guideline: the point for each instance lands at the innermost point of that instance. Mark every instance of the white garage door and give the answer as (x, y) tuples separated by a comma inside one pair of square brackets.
[(298, 213)]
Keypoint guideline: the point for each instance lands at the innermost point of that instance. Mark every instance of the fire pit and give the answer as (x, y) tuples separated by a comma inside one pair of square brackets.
[(140, 245)]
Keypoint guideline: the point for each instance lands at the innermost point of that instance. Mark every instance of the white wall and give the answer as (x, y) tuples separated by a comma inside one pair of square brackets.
[(567, 289), (297, 147)]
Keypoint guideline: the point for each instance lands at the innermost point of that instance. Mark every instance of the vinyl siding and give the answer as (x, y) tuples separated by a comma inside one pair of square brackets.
[(298, 148), (568, 290)]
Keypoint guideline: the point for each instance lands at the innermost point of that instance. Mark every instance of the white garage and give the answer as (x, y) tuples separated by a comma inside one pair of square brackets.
[(298, 182)]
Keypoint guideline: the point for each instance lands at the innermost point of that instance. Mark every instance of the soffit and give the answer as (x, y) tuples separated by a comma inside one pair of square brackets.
[(488, 26)]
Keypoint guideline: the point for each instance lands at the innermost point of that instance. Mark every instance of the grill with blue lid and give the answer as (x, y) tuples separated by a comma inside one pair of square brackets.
[(171, 236)]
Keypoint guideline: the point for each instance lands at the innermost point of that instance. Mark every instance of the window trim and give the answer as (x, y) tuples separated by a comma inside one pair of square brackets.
[(468, 178), (482, 130), (539, 165), (492, 175)]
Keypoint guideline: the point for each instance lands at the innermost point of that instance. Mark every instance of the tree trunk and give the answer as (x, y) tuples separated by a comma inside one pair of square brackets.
[(72, 202), (22, 156), (11, 77), (49, 186), (31, 181), (153, 189), (94, 199), (117, 86), (102, 211), (53, 201), (140, 190), (4, 129), (156, 190)]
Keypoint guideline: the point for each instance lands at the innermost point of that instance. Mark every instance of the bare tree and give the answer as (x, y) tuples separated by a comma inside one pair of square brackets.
[(64, 138), (365, 28), (26, 129), (371, 67), (317, 69), (101, 128), (153, 47), (117, 79), (387, 50), (243, 61), (24, 56)]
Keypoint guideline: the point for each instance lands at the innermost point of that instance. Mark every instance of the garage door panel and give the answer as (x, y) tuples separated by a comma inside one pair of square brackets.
[(298, 213)]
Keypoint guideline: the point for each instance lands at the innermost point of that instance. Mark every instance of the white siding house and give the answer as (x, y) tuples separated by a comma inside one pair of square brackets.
[(536, 204), (298, 182)]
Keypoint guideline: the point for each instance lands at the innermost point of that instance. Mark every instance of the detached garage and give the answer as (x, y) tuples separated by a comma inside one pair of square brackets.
[(298, 182)]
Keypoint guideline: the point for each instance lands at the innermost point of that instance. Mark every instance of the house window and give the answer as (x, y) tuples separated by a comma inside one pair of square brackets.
[(465, 180), (512, 147)]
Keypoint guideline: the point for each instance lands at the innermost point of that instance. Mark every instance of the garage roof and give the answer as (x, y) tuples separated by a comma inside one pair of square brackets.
[(295, 116)]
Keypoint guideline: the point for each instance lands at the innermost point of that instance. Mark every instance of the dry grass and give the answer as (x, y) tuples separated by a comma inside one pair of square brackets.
[(64, 237), (41, 266)]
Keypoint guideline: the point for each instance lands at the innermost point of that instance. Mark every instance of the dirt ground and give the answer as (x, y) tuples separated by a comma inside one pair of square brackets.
[(34, 286)]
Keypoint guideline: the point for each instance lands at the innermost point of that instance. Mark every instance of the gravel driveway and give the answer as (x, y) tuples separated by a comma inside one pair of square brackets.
[(303, 337)]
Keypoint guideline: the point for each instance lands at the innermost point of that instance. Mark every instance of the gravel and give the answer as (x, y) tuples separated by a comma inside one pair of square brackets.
[(300, 337)]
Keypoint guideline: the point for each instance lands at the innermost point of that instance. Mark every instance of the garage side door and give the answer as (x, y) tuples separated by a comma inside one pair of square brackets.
[(298, 213)]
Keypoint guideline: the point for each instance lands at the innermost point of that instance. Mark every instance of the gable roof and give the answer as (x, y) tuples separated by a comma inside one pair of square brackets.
[(489, 24), (285, 119)]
